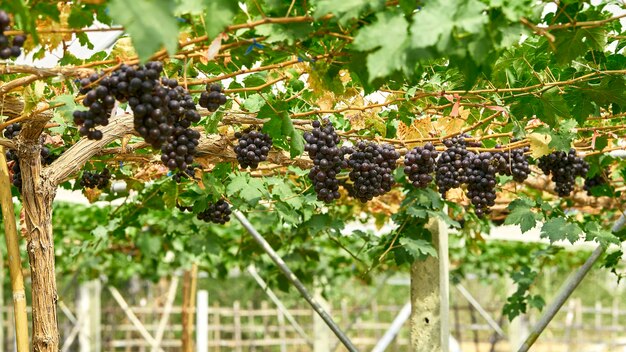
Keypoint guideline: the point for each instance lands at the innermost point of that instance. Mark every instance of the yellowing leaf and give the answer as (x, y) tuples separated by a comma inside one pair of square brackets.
[(123, 49), (539, 144), (448, 125), (420, 128)]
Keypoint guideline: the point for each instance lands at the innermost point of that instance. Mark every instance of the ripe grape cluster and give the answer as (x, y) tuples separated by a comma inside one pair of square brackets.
[(481, 181), (98, 180), (163, 111), (12, 130), (591, 182), (372, 169), (419, 164), (328, 159), (135, 84), (252, 148), (212, 98), (218, 213), (8, 49), (514, 163), (564, 167), (452, 164)]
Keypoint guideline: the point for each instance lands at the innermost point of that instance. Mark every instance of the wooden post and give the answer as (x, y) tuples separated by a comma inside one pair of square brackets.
[(171, 295), (251, 336), (15, 263), (88, 306), (218, 328), (426, 299), (237, 324), (281, 330), (189, 306), (202, 322)]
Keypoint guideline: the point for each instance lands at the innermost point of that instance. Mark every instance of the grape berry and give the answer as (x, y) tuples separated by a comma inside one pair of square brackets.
[(12, 130)]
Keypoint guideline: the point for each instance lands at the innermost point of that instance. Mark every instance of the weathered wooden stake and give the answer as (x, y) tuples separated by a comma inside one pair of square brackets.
[(15, 263)]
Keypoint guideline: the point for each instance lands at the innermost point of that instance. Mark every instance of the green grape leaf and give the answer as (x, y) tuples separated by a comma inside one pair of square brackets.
[(418, 248), (557, 229), (347, 9), (150, 23), (388, 34), (595, 232), (522, 215), (219, 14)]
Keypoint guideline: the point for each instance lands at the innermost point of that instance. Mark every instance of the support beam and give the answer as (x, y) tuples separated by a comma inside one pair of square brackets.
[(566, 290), (295, 281), (426, 325)]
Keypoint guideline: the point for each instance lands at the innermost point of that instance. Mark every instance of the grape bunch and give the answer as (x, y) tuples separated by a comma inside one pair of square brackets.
[(372, 169), (514, 163), (135, 84), (564, 167), (218, 213), (452, 164), (98, 180), (419, 164), (481, 181), (180, 148), (212, 98), (252, 148), (8, 49), (594, 181), (328, 159), (12, 130), (190, 172)]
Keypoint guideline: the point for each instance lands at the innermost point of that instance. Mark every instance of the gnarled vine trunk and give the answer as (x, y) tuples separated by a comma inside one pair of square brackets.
[(37, 197)]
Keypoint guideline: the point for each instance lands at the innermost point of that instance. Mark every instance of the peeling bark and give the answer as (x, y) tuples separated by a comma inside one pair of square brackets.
[(37, 197)]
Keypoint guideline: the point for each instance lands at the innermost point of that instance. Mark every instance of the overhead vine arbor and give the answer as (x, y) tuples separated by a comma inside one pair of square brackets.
[(308, 114)]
